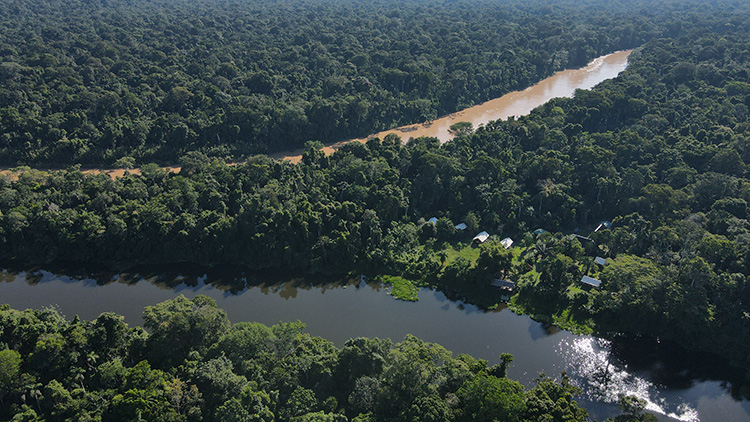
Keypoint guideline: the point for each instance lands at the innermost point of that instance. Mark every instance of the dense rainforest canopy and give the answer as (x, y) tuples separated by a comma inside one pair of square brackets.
[(660, 151), (99, 82), (193, 365)]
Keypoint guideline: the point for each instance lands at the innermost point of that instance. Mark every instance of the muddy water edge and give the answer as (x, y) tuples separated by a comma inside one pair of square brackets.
[(517, 103)]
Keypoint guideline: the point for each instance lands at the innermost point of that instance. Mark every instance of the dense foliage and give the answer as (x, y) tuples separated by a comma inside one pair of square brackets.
[(193, 365), (661, 151), (105, 82)]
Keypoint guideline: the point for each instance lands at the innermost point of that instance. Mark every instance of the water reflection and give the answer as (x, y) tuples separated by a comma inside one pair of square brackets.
[(604, 378), (670, 365), (183, 278), (540, 330)]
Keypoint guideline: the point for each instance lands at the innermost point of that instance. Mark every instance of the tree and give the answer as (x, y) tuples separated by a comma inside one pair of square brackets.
[(494, 258), (444, 229), (301, 402), (430, 408), (553, 401), (109, 337), (501, 370), (361, 357), (243, 340), (461, 129), (180, 326), (557, 272), (487, 398), (727, 161), (412, 369), (10, 368), (364, 394), (251, 406), (633, 410), (184, 398), (217, 381)]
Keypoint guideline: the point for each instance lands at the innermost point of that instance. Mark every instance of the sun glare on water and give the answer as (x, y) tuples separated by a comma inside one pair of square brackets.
[(590, 364)]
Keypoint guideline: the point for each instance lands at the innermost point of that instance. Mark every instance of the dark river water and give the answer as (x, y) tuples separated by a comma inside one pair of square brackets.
[(676, 384)]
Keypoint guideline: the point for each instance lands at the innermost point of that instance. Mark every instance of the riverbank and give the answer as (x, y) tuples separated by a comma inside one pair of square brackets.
[(459, 278), (513, 104), (364, 309), (267, 372)]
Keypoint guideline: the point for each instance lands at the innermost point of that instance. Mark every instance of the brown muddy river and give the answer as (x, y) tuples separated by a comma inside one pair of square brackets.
[(518, 103)]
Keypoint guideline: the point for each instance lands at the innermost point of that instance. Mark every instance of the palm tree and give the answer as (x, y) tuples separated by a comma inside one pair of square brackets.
[(35, 392), (546, 188), (542, 247)]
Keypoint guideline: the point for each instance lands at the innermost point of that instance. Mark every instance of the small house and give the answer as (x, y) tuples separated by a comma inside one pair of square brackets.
[(507, 242), (506, 285), (601, 261), (538, 231), (432, 220), (590, 281), (481, 237), (461, 226)]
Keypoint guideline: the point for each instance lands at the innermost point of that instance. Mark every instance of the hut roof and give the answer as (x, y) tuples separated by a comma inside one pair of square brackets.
[(582, 238), (481, 237), (603, 225), (461, 226), (591, 281), (503, 284), (507, 242)]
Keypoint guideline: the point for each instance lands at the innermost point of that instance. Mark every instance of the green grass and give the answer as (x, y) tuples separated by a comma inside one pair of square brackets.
[(469, 252), (402, 288)]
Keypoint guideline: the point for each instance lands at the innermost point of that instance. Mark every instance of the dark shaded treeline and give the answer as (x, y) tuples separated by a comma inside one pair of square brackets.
[(193, 365), (118, 82)]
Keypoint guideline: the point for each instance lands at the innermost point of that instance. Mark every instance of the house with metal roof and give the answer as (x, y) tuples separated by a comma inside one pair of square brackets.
[(603, 225), (481, 237), (506, 285), (507, 242), (591, 281)]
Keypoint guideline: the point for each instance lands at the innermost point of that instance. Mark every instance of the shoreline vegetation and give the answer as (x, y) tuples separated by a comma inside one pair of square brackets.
[(191, 364)]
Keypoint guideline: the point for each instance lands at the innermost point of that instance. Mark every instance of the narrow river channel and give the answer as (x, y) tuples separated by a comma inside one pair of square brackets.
[(517, 103), (677, 385)]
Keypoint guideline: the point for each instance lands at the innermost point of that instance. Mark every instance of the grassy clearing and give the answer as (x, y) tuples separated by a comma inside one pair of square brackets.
[(469, 252), (402, 288)]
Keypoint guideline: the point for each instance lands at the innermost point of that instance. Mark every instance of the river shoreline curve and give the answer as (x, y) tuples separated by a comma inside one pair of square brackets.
[(516, 103)]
